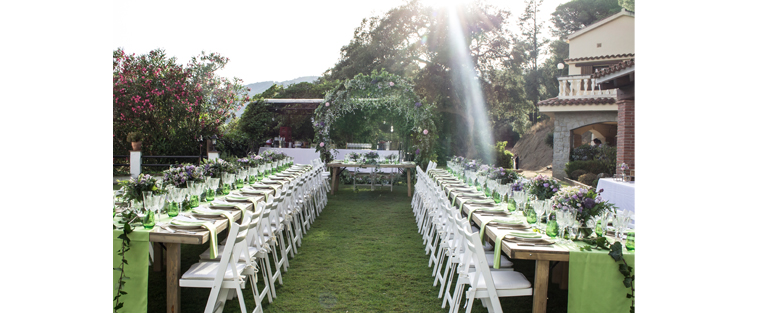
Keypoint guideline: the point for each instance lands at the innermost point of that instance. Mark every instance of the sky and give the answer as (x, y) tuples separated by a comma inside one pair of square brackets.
[(264, 40)]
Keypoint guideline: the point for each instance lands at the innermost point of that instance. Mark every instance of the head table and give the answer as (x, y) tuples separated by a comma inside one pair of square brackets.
[(594, 281), (137, 256), (337, 165)]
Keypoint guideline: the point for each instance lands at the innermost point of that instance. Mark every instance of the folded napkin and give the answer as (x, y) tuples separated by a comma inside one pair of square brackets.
[(459, 189), (471, 211), (480, 201), (187, 221), (240, 206), (253, 200), (275, 188), (512, 221), (467, 195), (208, 211), (499, 239)]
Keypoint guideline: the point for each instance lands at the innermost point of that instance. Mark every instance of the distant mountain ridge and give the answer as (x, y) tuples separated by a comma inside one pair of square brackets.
[(259, 87)]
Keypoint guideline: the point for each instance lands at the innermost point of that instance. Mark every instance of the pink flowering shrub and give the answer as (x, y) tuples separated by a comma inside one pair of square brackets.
[(171, 105)]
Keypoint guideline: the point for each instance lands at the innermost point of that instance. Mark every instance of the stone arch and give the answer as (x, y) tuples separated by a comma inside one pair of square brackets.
[(564, 125), (377, 90)]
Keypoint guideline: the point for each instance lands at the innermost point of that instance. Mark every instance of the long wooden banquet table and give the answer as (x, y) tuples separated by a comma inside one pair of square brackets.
[(336, 166), (543, 255), (173, 241)]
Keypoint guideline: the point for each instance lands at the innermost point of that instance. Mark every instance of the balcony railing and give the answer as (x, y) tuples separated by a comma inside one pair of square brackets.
[(582, 86)]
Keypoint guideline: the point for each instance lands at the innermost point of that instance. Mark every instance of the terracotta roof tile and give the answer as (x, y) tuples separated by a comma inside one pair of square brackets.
[(601, 57), (577, 101), (614, 68)]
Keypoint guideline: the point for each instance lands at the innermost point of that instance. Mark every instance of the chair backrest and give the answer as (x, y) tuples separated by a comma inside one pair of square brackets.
[(476, 251)]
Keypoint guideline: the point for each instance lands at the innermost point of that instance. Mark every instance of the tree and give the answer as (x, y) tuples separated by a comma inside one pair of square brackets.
[(169, 104), (627, 4), (531, 29), (577, 14), (414, 41)]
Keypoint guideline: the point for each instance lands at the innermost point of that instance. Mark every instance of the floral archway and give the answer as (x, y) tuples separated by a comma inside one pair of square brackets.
[(379, 90)]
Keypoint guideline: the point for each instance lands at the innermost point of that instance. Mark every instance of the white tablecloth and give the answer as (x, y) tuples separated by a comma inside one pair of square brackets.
[(299, 155), (621, 194), (341, 154)]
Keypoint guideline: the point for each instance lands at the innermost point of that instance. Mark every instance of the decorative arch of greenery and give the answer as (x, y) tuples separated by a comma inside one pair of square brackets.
[(378, 92)]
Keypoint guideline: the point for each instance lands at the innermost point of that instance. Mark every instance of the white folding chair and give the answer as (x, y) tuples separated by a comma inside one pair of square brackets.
[(225, 276)]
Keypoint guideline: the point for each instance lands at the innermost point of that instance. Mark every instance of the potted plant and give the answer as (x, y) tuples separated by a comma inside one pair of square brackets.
[(136, 139)]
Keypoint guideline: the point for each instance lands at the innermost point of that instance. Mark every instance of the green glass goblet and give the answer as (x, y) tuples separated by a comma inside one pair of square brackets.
[(630, 244), (552, 228)]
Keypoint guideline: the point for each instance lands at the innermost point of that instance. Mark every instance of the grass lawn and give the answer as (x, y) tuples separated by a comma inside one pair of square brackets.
[(362, 254)]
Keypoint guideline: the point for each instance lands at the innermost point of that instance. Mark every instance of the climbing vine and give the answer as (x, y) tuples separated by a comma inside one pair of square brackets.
[(374, 91)]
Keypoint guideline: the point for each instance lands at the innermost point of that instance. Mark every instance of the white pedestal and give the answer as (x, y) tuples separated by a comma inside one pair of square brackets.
[(135, 163), (212, 155)]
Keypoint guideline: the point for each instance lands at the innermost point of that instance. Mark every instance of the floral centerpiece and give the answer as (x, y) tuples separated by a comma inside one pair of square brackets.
[(353, 157), (134, 187), (543, 187), (392, 158), (587, 202), (242, 163), (179, 175)]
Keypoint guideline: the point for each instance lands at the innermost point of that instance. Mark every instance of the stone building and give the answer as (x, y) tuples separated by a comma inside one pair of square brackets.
[(597, 98)]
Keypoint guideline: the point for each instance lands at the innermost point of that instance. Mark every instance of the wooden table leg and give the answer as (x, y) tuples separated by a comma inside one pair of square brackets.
[(334, 179), (409, 181), (173, 275), (157, 256), (541, 286)]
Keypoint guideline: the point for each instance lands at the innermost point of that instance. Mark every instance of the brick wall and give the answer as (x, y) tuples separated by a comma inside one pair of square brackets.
[(625, 136)]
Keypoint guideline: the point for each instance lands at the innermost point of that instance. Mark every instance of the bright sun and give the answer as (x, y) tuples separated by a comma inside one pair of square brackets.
[(444, 3)]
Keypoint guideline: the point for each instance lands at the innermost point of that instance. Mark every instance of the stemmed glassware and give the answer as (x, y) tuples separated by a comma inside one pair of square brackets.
[(539, 208), (212, 185), (172, 198), (193, 196), (149, 219), (561, 215), (240, 179)]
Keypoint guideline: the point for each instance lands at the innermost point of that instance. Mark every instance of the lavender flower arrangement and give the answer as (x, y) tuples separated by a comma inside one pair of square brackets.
[(179, 175), (543, 187), (587, 202)]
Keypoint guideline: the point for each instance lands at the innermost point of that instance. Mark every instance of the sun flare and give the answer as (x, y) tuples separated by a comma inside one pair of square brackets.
[(445, 3)]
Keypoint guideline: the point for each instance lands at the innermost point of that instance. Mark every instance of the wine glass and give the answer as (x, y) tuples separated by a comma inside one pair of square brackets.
[(193, 196), (538, 207), (573, 228), (562, 221)]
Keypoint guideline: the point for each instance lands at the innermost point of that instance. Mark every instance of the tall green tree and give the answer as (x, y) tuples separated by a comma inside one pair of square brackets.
[(577, 14), (534, 42)]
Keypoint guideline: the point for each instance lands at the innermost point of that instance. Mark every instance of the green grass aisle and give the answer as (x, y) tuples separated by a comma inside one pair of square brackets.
[(362, 254)]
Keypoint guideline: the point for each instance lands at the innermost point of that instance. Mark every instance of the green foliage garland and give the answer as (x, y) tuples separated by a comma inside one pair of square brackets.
[(374, 91)]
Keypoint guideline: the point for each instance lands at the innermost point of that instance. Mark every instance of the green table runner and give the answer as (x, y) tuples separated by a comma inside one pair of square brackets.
[(595, 283), (136, 299)]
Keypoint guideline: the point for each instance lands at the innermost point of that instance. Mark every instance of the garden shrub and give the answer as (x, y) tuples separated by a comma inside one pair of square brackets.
[(587, 178), (575, 174), (549, 140), (503, 157), (605, 155), (594, 183), (591, 167)]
